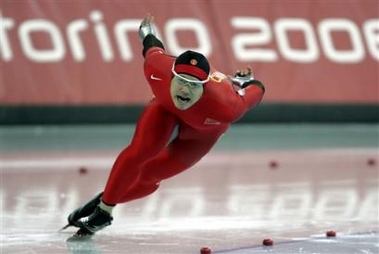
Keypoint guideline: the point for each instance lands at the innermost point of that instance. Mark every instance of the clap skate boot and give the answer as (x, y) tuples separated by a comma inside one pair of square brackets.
[(98, 220), (83, 211)]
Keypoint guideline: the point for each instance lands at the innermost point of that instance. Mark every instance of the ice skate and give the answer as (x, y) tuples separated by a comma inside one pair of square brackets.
[(83, 211)]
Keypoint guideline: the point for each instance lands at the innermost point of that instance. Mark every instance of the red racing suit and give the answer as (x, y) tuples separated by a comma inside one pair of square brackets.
[(153, 155)]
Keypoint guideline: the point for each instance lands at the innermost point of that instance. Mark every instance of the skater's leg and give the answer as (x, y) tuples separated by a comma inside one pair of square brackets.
[(179, 155), (153, 131), (152, 134)]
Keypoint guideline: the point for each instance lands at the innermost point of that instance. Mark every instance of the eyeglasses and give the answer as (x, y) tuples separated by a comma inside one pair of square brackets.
[(194, 82)]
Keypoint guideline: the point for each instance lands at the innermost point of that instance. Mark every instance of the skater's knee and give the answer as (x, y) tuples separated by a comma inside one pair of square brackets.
[(148, 179)]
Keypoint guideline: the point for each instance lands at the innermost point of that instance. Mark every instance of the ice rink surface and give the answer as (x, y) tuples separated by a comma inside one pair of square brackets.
[(288, 183)]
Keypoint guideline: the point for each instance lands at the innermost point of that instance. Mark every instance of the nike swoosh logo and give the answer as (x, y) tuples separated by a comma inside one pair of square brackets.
[(154, 77)]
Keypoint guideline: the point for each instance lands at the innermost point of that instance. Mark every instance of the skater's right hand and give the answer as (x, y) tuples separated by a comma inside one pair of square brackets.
[(147, 21), (146, 27)]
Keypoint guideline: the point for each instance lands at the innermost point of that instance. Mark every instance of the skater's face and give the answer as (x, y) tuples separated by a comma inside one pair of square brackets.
[(186, 90)]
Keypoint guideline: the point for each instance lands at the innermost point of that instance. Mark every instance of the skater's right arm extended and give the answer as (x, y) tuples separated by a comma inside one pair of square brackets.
[(148, 35)]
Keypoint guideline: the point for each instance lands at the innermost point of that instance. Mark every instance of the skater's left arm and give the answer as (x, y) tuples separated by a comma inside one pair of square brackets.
[(244, 78), (250, 90)]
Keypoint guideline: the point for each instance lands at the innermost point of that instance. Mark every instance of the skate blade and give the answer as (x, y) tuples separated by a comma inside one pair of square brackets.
[(79, 236), (67, 226)]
